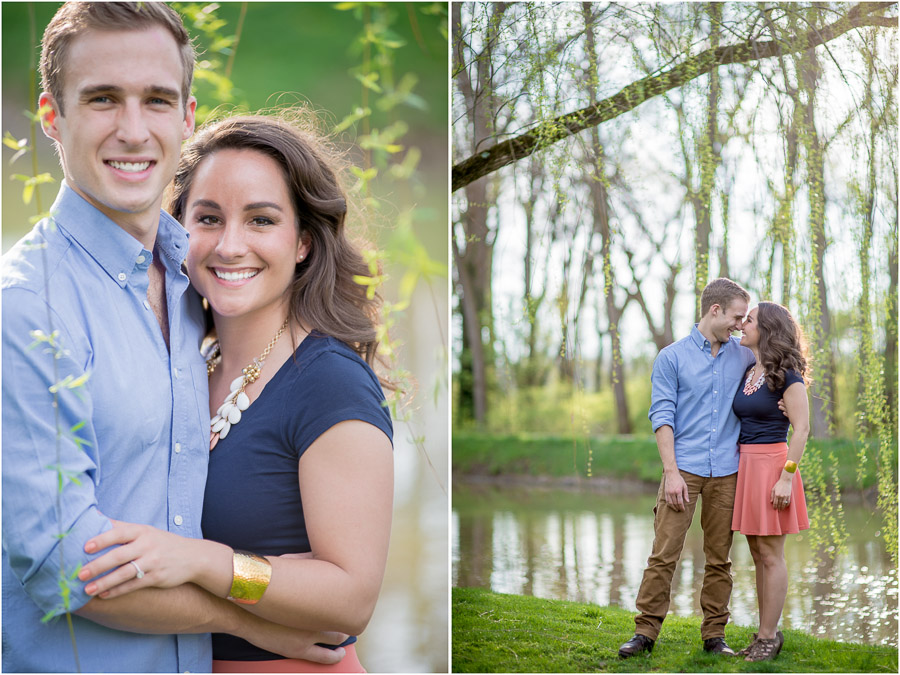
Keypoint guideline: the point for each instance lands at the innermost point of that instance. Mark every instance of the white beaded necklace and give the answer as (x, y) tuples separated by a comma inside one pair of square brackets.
[(229, 413), (750, 389)]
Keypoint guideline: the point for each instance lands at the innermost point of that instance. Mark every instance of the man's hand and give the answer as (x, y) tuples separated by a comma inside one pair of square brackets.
[(676, 491), (782, 407)]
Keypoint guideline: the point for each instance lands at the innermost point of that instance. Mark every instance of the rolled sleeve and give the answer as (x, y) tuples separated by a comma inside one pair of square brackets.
[(32, 451), (664, 391)]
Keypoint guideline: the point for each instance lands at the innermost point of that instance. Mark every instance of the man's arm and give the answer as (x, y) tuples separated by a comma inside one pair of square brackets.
[(663, 404), (676, 489), (49, 451), (190, 609)]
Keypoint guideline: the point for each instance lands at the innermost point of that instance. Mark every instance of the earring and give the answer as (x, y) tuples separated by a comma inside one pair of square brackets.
[(300, 258)]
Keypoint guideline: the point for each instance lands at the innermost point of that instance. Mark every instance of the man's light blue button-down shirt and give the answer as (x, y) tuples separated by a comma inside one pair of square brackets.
[(141, 417), (692, 392)]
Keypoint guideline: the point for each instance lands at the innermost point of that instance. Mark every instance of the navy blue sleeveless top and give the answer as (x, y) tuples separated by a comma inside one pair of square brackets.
[(252, 499), (761, 420)]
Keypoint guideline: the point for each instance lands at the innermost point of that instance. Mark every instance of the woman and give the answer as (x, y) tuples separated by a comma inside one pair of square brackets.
[(769, 501), (300, 438)]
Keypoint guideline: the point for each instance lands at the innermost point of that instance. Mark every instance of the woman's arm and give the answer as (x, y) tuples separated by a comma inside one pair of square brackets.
[(346, 484), (797, 409)]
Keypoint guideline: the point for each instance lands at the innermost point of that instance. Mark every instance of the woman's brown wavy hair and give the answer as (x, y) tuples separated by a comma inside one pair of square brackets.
[(324, 294), (782, 346)]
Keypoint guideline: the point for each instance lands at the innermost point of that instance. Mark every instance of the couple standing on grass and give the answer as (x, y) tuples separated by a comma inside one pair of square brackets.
[(720, 409)]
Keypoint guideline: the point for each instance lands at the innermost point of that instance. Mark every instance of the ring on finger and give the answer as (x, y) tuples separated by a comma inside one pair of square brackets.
[(140, 572)]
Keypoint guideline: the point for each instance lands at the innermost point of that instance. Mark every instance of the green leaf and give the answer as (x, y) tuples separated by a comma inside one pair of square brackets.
[(366, 175), (369, 81), (52, 614), (69, 382), (10, 141), (352, 118)]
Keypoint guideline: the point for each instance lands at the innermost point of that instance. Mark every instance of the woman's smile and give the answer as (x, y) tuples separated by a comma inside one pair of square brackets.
[(234, 277)]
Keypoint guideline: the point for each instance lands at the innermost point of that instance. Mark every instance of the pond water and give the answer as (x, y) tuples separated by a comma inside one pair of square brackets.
[(590, 547)]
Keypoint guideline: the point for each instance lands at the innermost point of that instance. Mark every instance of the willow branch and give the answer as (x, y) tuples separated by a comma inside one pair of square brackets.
[(554, 130)]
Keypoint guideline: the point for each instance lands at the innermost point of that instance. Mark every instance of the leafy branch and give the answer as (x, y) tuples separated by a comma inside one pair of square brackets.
[(553, 130)]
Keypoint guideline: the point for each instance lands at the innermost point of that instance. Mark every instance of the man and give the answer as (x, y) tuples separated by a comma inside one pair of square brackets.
[(128, 437), (693, 383)]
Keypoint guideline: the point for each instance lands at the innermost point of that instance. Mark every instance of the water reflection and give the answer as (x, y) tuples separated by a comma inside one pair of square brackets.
[(593, 548)]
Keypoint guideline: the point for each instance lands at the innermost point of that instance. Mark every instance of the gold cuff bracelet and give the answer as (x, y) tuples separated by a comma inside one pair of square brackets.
[(790, 466), (252, 574)]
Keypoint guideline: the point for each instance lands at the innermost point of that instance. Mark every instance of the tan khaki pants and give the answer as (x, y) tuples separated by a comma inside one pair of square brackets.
[(670, 527)]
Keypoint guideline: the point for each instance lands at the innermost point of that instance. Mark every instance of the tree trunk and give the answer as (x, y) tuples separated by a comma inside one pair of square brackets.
[(823, 390), (709, 156), (533, 372), (724, 267), (474, 256), (890, 350), (601, 211), (472, 402)]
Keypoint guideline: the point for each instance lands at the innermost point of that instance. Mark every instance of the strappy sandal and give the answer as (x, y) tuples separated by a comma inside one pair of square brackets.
[(746, 650), (766, 649)]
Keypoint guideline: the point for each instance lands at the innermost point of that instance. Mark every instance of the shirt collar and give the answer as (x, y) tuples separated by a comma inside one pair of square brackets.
[(116, 251), (703, 344)]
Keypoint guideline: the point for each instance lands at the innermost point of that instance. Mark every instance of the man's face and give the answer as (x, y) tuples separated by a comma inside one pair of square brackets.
[(125, 120), (728, 320)]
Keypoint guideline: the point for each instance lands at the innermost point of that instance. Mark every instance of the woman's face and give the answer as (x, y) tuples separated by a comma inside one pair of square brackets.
[(245, 238), (750, 328)]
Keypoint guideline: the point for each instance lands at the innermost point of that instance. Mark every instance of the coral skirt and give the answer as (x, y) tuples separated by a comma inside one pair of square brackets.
[(349, 664), (760, 468)]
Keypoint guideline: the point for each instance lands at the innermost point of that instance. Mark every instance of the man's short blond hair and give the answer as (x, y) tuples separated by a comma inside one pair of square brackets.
[(721, 292)]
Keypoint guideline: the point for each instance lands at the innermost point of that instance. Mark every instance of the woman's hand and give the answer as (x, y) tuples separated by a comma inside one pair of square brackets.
[(781, 494), (293, 643), (147, 556)]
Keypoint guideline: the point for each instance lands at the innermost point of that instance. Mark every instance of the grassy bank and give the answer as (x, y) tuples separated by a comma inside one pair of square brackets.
[(634, 457), (515, 634)]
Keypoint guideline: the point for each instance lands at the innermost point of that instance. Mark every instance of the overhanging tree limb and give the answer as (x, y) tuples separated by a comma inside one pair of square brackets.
[(554, 130)]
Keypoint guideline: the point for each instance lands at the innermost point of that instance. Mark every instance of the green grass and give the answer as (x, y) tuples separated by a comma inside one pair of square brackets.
[(633, 457), (517, 634)]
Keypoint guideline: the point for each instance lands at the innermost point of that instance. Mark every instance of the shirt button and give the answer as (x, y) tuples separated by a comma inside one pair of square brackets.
[(178, 447), (175, 371), (140, 259), (178, 520), (146, 305), (122, 276)]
